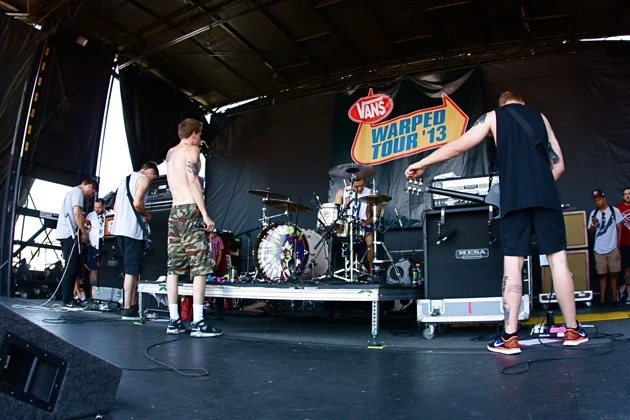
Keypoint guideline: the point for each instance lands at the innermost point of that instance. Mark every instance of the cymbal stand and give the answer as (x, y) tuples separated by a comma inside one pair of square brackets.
[(375, 242), (264, 221), (351, 263)]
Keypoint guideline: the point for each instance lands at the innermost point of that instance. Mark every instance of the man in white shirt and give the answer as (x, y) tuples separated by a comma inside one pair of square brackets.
[(606, 223), (129, 234), (70, 220), (96, 223)]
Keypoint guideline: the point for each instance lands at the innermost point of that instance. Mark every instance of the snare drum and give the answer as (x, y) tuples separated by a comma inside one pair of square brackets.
[(358, 232), (317, 261), (274, 250)]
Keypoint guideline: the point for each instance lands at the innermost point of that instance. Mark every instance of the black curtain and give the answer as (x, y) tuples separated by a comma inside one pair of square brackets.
[(586, 97), (464, 87), (70, 109), (19, 48), (152, 110), (285, 148)]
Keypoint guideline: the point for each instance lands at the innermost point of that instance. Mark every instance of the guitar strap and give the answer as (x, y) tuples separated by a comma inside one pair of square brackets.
[(143, 226), (539, 142)]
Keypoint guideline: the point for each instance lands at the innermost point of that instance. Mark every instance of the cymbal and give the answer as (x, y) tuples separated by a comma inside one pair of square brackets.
[(346, 171), (268, 194), (287, 205), (374, 198)]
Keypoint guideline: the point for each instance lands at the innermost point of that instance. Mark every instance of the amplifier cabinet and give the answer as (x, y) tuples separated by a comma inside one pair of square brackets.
[(579, 267), (575, 223), (462, 254)]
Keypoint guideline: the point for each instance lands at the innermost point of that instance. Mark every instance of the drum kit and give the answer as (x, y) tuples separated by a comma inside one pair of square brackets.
[(283, 252)]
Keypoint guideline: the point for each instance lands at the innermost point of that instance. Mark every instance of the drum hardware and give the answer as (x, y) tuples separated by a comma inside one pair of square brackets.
[(376, 200), (352, 172), (267, 195), (248, 233)]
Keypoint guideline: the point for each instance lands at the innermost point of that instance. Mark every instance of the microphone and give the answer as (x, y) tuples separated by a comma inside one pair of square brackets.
[(205, 149), (398, 217), (319, 202), (444, 237)]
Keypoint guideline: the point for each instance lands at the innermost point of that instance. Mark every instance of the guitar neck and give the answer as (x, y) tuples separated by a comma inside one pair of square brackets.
[(456, 194)]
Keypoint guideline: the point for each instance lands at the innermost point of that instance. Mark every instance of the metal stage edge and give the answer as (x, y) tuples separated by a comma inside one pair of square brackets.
[(374, 293)]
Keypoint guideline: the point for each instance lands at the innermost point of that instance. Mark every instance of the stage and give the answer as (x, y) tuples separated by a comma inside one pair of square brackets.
[(312, 367)]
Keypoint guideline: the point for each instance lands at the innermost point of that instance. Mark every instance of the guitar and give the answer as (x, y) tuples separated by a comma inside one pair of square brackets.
[(415, 187)]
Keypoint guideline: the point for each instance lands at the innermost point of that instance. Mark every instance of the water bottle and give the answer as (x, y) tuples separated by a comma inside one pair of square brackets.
[(415, 275)]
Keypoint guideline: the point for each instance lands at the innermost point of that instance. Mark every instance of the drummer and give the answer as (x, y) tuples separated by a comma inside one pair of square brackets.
[(364, 213)]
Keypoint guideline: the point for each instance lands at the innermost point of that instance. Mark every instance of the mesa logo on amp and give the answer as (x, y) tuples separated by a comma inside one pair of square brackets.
[(378, 142)]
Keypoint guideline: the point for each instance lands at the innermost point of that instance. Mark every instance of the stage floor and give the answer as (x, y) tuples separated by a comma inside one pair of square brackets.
[(310, 366)]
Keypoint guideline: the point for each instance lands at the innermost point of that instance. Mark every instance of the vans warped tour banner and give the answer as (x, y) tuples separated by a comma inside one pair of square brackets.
[(393, 126)]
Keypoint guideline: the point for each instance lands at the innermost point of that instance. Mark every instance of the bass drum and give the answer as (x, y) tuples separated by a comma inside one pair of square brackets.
[(318, 257), (274, 251)]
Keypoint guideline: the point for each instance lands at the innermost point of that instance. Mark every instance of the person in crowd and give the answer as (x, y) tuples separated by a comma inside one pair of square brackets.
[(530, 203), (95, 221), (188, 247), (624, 208), (605, 223), (361, 210), (71, 232), (130, 212)]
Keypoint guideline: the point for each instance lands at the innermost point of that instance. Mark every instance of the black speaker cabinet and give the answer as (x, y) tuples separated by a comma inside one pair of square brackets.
[(155, 262), (43, 376), (462, 254)]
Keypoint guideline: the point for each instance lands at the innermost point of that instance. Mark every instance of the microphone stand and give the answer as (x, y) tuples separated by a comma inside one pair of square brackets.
[(295, 272)]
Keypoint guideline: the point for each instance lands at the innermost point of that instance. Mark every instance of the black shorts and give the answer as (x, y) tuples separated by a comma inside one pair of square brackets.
[(92, 258), (518, 226), (132, 254), (625, 257)]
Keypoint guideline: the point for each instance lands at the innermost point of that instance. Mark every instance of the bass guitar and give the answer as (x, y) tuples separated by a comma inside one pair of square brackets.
[(416, 187)]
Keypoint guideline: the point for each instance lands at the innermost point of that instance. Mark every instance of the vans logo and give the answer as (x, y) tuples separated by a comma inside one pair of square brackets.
[(371, 108), (472, 254)]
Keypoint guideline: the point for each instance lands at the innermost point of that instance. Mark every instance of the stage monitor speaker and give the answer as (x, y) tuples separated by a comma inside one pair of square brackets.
[(43, 376), (575, 223), (155, 262), (579, 267), (462, 254)]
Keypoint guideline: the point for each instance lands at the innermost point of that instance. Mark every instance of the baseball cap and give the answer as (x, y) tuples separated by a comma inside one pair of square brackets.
[(598, 193)]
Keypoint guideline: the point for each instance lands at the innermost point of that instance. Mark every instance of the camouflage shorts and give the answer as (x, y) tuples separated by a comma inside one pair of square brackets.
[(188, 246)]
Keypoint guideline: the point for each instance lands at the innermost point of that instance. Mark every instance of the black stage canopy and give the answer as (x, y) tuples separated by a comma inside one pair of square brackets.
[(217, 52)]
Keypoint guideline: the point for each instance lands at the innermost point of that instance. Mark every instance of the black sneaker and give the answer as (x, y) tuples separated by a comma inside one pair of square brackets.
[(175, 326), (130, 314), (73, 305), (201, 329)]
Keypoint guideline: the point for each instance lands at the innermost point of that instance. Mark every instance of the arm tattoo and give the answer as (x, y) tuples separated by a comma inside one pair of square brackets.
[(505, 280), (480, 120), (514, 288), (169, 155), (192, 167), (554, 159)]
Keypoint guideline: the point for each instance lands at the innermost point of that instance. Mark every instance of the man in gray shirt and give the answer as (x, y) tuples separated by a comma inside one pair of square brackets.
[(70, 220)]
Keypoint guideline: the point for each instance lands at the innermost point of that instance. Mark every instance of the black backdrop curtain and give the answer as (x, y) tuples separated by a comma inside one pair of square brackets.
[(586, 97), (463, 87), (151, 111), (19, 48), (285, 148), (70, 110)]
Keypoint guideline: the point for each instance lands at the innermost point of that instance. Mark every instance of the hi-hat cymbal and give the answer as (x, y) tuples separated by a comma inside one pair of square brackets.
[(375, 198), (347, 170), (268, 194), (287, 205)]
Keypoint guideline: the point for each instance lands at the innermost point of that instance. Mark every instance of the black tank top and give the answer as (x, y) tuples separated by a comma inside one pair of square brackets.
[(524, 170)]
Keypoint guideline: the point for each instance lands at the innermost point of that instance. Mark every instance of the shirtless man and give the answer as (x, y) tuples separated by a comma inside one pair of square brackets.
[(188, 247)]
